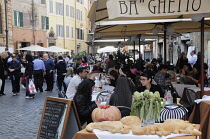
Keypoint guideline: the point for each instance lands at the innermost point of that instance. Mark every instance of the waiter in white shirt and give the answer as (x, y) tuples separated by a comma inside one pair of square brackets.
[(193, 59), (75, 81)]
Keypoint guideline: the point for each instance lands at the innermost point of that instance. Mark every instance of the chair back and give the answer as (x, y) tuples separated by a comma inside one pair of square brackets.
[(173, 112), (103, 96), (125, 111), (191, 97)]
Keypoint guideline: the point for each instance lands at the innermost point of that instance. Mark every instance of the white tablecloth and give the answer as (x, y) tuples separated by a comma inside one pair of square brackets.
[(196, 89), (108, 135), (180, 87)]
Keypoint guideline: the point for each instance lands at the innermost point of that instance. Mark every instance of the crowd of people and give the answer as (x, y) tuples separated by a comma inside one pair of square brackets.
[(76, 78)]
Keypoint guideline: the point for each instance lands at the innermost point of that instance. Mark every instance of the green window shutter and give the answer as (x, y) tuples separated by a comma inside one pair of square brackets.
[(15, 18), (47, 22), (43, 22), (21, 19)]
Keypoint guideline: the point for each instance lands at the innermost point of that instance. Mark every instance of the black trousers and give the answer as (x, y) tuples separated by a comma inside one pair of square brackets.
[(3, 84), (15, 79), (49, 80), (38, 79), (60, 79)]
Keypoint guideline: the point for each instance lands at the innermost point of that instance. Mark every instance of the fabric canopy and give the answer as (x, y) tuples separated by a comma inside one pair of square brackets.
[(145, 9), (35, 48), (57, 49), (143, 28), (107, 49)]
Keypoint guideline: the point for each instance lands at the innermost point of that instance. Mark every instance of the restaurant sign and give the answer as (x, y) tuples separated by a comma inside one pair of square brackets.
[(152, 8)]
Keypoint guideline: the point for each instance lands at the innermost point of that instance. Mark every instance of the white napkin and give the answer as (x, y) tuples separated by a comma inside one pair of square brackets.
[(204, 98), (108, 135)]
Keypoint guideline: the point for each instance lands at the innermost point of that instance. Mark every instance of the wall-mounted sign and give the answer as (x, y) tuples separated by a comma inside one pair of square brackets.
[(151, 8)]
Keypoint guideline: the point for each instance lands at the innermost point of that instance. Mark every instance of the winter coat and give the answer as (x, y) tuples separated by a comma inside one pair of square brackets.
[(29, 69), (84, 107), (61, 67)]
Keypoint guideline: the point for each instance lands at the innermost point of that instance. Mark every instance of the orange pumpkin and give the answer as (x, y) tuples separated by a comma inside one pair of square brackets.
[(106, 113)]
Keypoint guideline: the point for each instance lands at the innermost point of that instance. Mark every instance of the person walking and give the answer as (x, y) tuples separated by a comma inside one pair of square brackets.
[(49, 65), (29, 73), (39, 72), (15, 74), (61, 72), (2, 77)]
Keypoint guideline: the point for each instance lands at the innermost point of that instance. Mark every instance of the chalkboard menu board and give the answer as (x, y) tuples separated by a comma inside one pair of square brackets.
[(59, 119)]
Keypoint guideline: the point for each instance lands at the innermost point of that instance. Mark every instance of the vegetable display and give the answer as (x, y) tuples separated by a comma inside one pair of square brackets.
[(147, 105)]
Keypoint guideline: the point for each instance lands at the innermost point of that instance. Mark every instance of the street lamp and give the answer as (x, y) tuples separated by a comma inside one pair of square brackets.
[(6, 30)]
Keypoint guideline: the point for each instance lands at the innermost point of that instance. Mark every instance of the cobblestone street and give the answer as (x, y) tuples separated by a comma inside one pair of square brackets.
[(20, 117)]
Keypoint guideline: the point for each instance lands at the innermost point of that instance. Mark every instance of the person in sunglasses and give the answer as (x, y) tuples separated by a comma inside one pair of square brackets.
[(146, 84)]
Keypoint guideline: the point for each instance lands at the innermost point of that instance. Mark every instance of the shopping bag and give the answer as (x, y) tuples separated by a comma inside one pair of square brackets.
[(0, 83), (31, 87), (23, 79)]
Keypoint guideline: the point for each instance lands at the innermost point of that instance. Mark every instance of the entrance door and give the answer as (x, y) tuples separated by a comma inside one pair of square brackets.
[(25, 44)]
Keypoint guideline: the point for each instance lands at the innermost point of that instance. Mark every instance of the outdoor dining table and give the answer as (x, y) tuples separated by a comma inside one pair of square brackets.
[(83, 134), (196, 89), (201, 115), (180, 87)]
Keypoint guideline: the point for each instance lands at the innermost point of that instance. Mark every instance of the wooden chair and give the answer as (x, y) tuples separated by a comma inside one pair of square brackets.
[(125, 111), (103, 96), (191, 97)]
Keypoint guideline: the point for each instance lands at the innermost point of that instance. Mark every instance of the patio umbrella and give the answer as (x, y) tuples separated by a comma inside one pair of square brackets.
[(57, 49), (34, 48), (107, 49)]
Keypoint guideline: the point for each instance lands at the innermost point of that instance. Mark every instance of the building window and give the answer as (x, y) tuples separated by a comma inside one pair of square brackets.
[(18, 19), (72, 32), (67, 32), (59, 29), (59, 8), (45, 22), (67, 10), (1, 21), (51, 6), (71, 11), (80, 1), (79, 15), (43, 1), (80, 34)]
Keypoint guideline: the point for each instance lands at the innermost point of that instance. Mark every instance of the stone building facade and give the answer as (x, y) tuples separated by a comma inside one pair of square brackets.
[(3, 25), (29, 23)]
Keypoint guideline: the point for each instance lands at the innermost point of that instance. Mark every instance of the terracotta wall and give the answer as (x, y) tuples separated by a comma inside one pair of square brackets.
[(26, 35)]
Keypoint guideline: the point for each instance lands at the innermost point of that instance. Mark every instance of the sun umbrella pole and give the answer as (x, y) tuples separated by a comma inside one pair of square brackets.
[(165, 26), (134, 44), (202, 57), (140, 51)]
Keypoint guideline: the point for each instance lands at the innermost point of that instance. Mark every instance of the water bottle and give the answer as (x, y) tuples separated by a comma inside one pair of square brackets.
[(169, 99)]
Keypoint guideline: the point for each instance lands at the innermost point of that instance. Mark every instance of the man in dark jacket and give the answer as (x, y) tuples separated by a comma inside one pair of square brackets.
[(61, 72), (49, 65), (15, 74), (2, 77)]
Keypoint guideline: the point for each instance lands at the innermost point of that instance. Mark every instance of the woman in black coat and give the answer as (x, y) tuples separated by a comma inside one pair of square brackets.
[(2, 77), (146, 84), (83, 102), (29, 72)]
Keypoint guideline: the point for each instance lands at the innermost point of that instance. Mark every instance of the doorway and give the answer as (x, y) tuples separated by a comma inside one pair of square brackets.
[(25, 44)]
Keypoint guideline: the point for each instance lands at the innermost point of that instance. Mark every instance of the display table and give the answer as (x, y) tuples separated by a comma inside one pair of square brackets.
[(201, 115), (83, 134)]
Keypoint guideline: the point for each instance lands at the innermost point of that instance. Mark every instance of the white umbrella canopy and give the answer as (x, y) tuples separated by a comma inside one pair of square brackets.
[(57, 49), (107, 49), (34, 48)]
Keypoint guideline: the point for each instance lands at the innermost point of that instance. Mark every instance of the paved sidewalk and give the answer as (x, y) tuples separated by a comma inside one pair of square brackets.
[(20, 117)]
